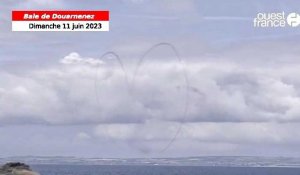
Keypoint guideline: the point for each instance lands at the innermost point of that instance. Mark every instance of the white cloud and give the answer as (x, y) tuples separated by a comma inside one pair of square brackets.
[(151, 130), (204, 138), (233, 133), (87, 90), (75, 58)]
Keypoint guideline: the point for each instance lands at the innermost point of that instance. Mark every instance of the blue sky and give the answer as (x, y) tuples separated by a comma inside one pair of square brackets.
[(203, 22), (57, 97)]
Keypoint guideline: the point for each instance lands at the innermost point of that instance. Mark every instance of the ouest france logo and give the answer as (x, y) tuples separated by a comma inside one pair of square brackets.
[(275, 20)]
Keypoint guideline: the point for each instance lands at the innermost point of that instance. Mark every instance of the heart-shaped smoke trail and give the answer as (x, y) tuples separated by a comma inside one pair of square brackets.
[(131, 84)]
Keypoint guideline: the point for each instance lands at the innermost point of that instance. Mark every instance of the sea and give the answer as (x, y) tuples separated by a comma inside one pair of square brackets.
[(160, 170)]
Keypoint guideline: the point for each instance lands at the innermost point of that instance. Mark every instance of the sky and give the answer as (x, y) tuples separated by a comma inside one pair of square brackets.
[(217, 86)]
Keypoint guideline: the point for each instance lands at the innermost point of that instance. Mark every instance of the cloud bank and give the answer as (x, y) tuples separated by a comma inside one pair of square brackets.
[(88, 90), (230, 105)]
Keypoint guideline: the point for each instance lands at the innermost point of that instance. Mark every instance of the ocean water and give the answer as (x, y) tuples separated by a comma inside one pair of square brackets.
[(160, 170)]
